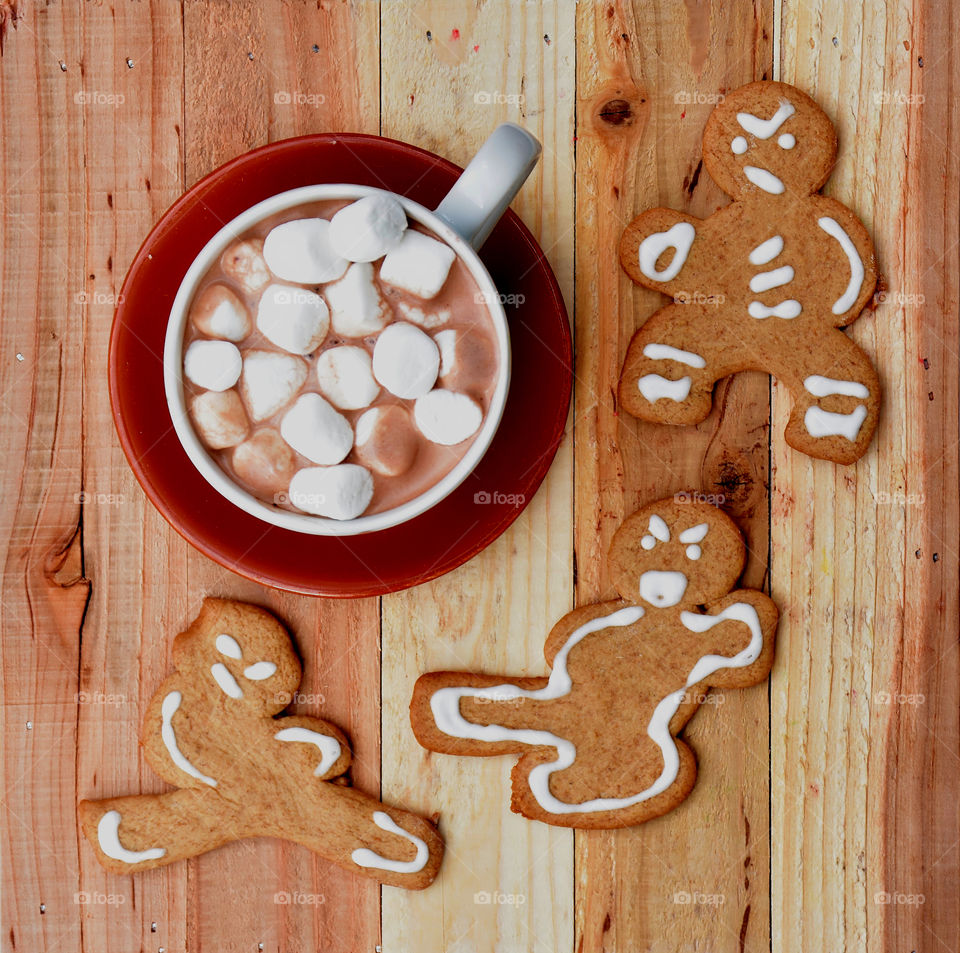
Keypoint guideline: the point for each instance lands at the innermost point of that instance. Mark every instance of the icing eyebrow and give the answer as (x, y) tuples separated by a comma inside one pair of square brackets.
[(259, 671), (695, 534), (765, 128), (659, 529), (229, 646)]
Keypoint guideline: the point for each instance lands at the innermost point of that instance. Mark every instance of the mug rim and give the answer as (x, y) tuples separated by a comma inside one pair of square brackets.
[(201, 458)]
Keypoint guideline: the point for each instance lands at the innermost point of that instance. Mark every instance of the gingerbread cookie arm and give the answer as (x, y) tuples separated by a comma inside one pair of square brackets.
[(322, 748), (655, 247), (151, 830)]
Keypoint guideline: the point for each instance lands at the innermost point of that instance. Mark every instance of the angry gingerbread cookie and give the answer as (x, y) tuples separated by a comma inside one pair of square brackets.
[(212, 731), (765, 283), (598, 737)]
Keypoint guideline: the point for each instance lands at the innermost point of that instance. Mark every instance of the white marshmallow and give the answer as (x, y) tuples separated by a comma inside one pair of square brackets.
[(419, 264), (312, 427), (342, 492), (219, 313), (244, 263), (447, 345), (405, 361), (219, 418), (431, 320), (345, 377), (368, 229), (356, 306), (386, 440), (264, 462), (293, 318), (213, 365), (300, 251), (446, 417), (269, 381)]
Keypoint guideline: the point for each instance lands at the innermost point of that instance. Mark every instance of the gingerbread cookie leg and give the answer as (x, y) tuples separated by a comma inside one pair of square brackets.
[(150, 830), (836, 400), (667, 376)]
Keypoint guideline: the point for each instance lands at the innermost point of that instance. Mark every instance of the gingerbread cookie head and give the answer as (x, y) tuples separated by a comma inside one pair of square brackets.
[(676, 553), (767, 138), (258, 670)]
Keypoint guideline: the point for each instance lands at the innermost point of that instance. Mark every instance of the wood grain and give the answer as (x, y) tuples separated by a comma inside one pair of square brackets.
[(505, 884), (648, 78)]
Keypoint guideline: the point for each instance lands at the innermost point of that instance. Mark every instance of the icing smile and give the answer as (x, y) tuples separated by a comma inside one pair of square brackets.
[(662, 589)]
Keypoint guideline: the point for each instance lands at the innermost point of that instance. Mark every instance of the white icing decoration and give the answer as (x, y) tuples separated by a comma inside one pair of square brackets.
[(168, 709), (662, 589), (835, 230), (364, 857), (445, 705), (738, 146), (648, 542), (664, 352), (693, 552), (259, 671), (765, 128), (790, 308), (679, 237), (787, 141), (654, 388), (764, 179), (226, 681), (765, 280), (229, 646), (108, 837), (826, 386), (696, 534), (329, 747), (822, 423), (766, 251), (658, 528)]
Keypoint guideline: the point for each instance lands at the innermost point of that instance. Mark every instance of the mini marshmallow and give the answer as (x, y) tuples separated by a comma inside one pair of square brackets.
[(386, 440), (213, 365), (428, 320), (293, 318), (446, 417), (269, 381), (405, 361), (341, 492), (300, 251), (245, 264), (219, 313), (345, 377), (312, 427), (419, 264), (219, 418), (367, 229), (264, 462), (356, 306)]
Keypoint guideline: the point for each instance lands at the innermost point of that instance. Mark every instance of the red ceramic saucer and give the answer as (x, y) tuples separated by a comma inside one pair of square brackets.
[(444, 537)]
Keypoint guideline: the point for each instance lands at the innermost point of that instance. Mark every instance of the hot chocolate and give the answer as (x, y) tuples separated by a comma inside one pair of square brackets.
[(339, 359)]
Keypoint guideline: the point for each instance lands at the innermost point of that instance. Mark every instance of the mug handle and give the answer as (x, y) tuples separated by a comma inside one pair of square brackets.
[(488, 184)]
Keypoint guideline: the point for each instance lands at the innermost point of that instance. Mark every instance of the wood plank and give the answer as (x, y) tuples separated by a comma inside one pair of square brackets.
[(648, 77), (866, 817), (238, 59), (495, 612)]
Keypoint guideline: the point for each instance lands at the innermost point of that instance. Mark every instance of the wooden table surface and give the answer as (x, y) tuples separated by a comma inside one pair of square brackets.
[(826, 813)]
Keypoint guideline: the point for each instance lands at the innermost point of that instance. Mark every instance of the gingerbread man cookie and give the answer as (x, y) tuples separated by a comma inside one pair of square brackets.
[(598, 736), (212, 731), (765, 283)]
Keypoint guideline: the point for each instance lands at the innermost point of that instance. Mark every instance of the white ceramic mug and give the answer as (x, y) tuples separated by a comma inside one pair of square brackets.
[(463, 220)]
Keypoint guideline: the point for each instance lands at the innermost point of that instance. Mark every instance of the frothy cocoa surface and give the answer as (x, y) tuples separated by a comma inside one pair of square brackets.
[(475, 376)]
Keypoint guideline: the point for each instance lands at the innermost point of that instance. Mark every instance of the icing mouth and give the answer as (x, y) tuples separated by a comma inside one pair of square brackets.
[(662, 589)]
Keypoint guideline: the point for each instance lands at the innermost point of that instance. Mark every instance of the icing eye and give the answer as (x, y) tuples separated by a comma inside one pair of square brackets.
[(229, 646), (786, 141), (693, 552), (648, 542), (259, 671), (739, 146)]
